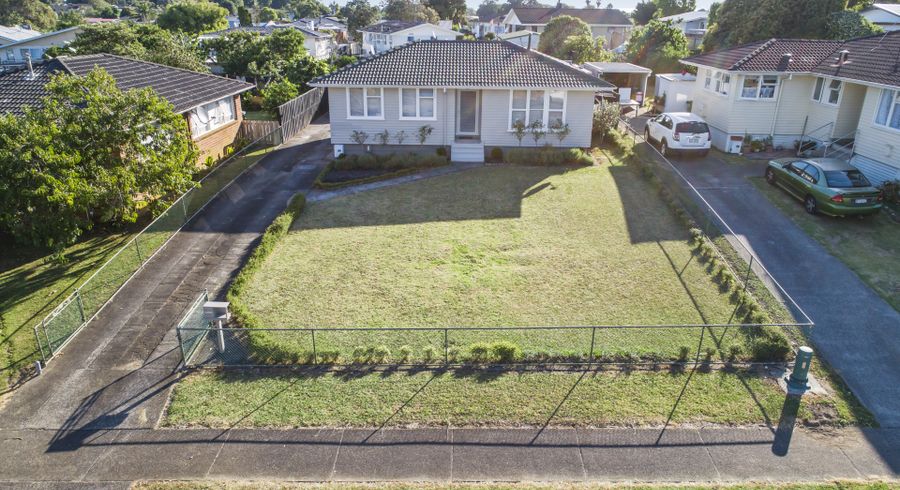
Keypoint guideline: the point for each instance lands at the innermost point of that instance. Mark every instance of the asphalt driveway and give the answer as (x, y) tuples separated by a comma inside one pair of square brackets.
[(856, 331)]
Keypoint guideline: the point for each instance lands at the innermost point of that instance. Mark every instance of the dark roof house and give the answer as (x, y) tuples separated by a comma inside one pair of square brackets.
[(184, 89), (591, 16)]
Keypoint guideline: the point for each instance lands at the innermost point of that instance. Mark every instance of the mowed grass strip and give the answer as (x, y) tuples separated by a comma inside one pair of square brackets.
[(238, 485), (480, 398), (497, 246), (870, 246)]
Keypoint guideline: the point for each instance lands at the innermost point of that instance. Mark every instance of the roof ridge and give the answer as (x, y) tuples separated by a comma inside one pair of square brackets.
[(208, 75), (750, 55)]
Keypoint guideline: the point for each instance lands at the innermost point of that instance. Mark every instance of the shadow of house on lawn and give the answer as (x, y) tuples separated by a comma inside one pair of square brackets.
[(647, 217)]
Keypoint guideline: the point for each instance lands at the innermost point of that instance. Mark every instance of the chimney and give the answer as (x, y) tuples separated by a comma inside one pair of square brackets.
[(785, 61), (843, 57), (31, 75)]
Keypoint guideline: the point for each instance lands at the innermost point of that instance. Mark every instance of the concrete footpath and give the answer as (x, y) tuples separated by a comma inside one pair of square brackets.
[(447, 454)]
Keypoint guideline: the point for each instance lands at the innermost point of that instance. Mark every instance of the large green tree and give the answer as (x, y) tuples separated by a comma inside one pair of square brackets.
[(193, 17), (359, 13), (583, 48), (410, 11), (308, 8), (848, 24), (673, 7), (658, 46), (87, 156), (34, 12), (644, 12), (743, 21), (262, 58), (454, 10), (488, 9), (557, 31), (146, 42)]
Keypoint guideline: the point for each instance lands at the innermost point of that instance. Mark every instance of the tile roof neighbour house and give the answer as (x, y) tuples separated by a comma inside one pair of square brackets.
[(481, 64), (591, 16), (390, 26), (874, 59), (184, 89)]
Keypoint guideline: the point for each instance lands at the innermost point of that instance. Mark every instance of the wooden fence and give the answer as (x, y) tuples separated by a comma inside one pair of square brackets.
[(254, 130), (297, 113)]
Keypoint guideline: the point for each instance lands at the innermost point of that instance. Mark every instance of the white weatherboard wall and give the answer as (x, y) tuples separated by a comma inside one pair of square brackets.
[(877, 148), (495, 120)]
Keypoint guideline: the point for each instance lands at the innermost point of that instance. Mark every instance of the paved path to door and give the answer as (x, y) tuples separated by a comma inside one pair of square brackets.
[(856, 331)]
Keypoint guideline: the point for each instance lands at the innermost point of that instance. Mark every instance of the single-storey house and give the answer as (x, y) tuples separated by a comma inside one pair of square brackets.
[(614, 25), (211, 104), (526, 39), (15, 53), (692, 24), (629, 79), (481, 28), (11, 34), (389, 34), (319, 45), (884, 15), (841, 97), (466, 95)]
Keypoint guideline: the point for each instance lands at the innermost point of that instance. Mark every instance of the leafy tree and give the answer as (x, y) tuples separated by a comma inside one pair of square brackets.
[(268, 14), (244, 16), (713, 13), (743, 21), (658, 46), (303, 69), (848, 24), (359, 13), (145, 42), (409, 11), (673, 7), (279, 55), (276, 93), (606, 119), (343, 60), (454, 10), (34, 12), (143, 9), (193, 17), (308, 8), (490, 9), (228, 5), (86, 157), (644, 12), (582, 48), (236, 51), (69, 18), (557, 31)]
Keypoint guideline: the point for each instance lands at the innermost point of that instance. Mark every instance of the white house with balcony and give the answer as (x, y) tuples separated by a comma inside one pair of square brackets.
[(389, 34), (692, 24)]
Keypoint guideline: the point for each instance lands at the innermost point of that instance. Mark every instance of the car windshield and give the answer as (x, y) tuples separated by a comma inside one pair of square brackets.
[(692, 127), (845, 179)]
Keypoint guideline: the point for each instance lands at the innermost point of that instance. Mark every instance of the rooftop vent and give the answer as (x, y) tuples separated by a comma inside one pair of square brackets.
[(842, 59), (785, 62)]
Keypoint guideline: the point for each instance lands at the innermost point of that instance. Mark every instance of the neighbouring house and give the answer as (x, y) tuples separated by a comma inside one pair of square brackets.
[(16, 33), (327, 24), (526, 39), (466, 95), (481, 28), (675, 92), (612, 24), (319, 45), (836, 98), (15, 53), (630, 80), (389, 34), (884, 15), (692, 24), (210, 104)]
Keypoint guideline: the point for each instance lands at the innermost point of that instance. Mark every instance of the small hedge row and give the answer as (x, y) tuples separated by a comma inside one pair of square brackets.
[(395, 161), (768, 344), (546, 156)]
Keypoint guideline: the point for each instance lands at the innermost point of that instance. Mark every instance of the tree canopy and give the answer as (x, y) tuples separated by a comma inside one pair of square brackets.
[(454, 10), (743, 21), (266, 58), (193, 17), (359, 14), (583, 48), (673, 7), (308, 8), (86, 157), (268, 14), (488, 9), (658, 46), (34, 12), (409, 11), (557, 31), (644, 12), (848, 24), (146, 42)]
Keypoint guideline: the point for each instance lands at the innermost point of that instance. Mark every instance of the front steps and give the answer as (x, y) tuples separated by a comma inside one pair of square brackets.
[(467, 151)]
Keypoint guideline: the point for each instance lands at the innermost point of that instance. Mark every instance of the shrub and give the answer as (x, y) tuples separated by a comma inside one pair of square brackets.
[(506, 351), (452, 354), (367, 161), (441, 151), (479, 352), (328, 356), (496, 154), (771, 345), (428, 354), (431, 161), (404, 353), (361, 355), (605, 120), (381, 354), (709, 353), (683, 353), (734, 352), (548, 156)]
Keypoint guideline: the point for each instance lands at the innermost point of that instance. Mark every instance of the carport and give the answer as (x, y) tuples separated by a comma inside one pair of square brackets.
[(629, 79)]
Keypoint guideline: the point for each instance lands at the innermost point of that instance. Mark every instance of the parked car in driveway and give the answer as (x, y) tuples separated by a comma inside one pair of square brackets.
[(825, 185), (679, 132)]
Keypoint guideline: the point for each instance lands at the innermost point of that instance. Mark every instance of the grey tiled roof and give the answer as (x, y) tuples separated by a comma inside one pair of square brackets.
[(184, 89), (874, 59), (390, 26), (543, 15), (435, 63)]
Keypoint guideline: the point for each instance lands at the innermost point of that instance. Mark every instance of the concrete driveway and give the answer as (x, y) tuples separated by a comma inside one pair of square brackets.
[(856, 331)]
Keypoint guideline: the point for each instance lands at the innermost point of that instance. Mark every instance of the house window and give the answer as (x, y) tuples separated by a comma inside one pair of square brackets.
[(365, 103), (888, 113), (827, 91), (759, 87), (718, 82), (208, 117), (708, 82), (417, 103), (546, 106)]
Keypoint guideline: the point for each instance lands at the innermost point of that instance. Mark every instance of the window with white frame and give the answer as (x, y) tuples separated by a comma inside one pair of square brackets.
[(365, 103), (827, 91), (707, 83), (888, 113), (208, 117), (717, 81), (528, 106), (417, 103), (759, 87)]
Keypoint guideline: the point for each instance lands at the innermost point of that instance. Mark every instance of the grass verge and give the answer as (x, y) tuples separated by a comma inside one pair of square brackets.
[(237, 485)]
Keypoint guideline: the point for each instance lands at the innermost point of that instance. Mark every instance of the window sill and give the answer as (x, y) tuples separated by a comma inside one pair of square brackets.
[(418, 118), (364, 118), (215, 130), (757, 99), (886, 129)]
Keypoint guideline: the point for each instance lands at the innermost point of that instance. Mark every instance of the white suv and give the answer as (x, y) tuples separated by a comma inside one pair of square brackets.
[(680, 132)]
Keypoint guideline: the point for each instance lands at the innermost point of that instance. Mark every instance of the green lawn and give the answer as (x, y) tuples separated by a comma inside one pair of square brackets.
[(228, 485), (482, 398), (871, 246), (497, 246)]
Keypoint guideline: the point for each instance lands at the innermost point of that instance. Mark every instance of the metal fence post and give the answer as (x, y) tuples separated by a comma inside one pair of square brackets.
[(591, 353), (315, 352), (138, 248), (37, 338), (749, 270), (80, 304), (184, 205), (47, 336), (446, 349), (181, 345)]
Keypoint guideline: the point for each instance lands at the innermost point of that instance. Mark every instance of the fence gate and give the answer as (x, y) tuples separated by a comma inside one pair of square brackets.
[(297, 113)]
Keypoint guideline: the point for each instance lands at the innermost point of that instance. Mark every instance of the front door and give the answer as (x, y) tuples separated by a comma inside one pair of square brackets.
[(467, 112)]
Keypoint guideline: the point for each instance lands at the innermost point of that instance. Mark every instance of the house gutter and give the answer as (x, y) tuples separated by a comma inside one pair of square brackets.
[(778, 105)]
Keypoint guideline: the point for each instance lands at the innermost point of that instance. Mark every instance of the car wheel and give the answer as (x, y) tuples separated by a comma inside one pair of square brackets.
[(664, 149), (770, 176), (809, 204), (647, 135)]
